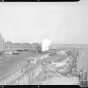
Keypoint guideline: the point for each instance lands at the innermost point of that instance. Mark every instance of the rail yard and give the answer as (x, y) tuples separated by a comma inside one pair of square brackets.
[(55, 67)]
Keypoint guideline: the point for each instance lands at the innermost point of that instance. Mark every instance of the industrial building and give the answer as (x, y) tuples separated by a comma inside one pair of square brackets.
[(2, 46), (18, 46)]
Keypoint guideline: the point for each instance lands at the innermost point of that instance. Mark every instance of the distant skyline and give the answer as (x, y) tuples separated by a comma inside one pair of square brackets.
[(62, 23)]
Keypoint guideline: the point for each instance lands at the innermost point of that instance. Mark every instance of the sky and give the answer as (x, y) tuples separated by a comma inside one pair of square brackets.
[(62, 23)]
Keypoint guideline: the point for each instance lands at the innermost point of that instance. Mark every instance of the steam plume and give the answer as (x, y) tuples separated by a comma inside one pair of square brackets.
[(45, 44)]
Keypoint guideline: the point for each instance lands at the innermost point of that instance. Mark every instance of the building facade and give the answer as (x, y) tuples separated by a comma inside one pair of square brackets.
[(2, 48), (18, 46)]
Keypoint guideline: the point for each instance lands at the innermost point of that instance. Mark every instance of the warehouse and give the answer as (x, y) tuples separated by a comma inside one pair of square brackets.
[(2, 48)]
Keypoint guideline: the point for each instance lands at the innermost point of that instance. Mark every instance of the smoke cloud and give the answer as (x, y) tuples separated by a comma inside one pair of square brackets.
[(45, 44)]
